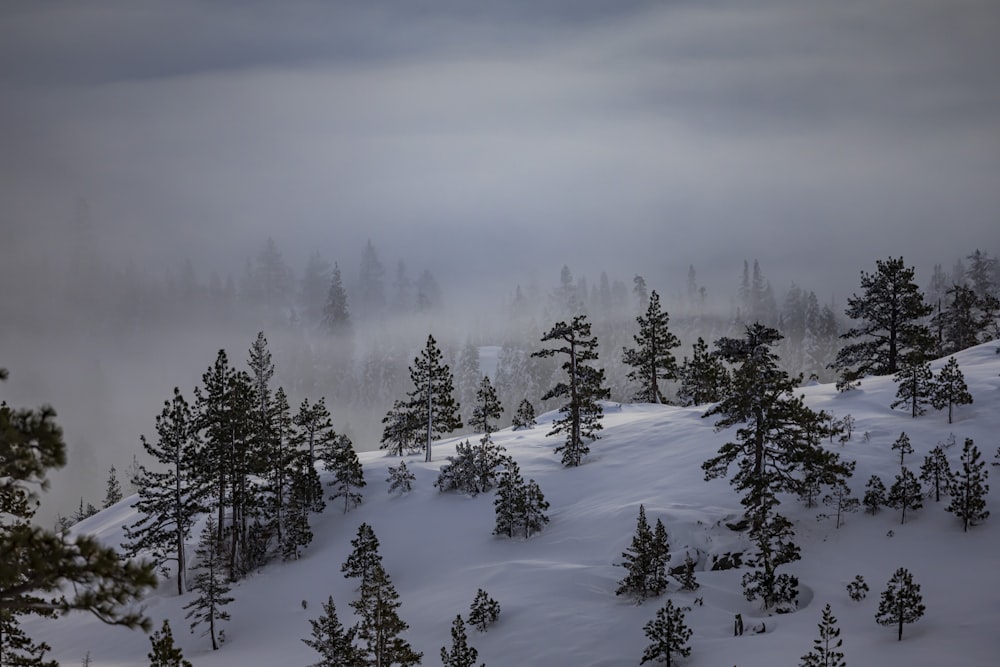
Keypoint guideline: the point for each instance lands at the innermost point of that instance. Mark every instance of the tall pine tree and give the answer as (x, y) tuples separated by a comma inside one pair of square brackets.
[(901, 601), (968, 488), (209, 582), (432, 404), (651, 359), (949, 388)]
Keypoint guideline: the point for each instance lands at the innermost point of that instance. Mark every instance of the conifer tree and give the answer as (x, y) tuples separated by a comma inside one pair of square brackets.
[(581, 420), (875, 494), (842, 501), (461, 654), (487, 410), (915, 386), (903, 446), (402, 430), (208, 608), (901, 601), (400, 479), (704, 378), (905, 493), (336, 318), (509, 502), (936, 472), (968, 488), (651, 359), (968, 319), (164, 652), (473, 468), (857, 589), (949, 388), (534, 506), (380, 626), (113, 492), (645, 561), (432, 404), (484, 611), (890, 312), (771, 534), (340, 458), (669, 636), (304, 487), (169, 500), (332, 641), (525, 415), (17, 648), (826, 650), (686, 577), (314, 428), (365, 558), (54, 574)]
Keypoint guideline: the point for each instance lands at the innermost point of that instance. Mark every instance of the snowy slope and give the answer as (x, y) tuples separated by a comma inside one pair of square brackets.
[(556, 589)]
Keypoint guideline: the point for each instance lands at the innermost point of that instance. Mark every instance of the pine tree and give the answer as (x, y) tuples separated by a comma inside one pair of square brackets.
[(340, 458), (534, 506), (841, 500), (379, 626), (518, 505), (365, 558), (901, 601), (487, 410), (875, 494), (402, 430), (949, 388), (304, 487), (969, 318), (54, 574), (17, 648), (903, 446), (891, 311), (473, 468), (332, 641), (581, 420), (915, 386), (169, 500), (669, 636), (857, 589), (210, 584), (686, 577), (968, 488), (905, 493), (432, 404), (400, 479), (826, 650), (645, 561), (461, 654), (113, 493), (336, 318), (651, 359), (164, 653), (771, 534), (936, 472), (484, 611), (525, 415), (704, 378)]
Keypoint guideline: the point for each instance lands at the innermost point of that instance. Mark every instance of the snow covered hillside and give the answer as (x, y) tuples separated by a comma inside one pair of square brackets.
[(557, 589)]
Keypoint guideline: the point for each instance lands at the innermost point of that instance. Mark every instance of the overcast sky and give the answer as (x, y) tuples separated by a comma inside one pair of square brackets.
[(627, 136)]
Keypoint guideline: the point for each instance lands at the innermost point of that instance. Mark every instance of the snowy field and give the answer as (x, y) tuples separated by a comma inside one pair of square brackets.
[(557, 589)]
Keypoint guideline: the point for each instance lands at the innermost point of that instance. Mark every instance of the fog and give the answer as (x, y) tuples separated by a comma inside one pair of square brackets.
[(489, 145)]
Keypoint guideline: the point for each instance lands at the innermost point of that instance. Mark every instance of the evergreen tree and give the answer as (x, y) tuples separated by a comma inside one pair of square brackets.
[(113, 493), (461, 654), (771, 534), (903, 446), (704, 378), (210, 584), (686, 577), (968, 319), (17, 648), (509, 502), (169, 500), (484, 611), (857, 589), (826, 650), (487, 410), (645, 561), (669, 636), (842, 501), (968, 488), (473, 468), (313, 433), (779, 438), (332, 641), (525, 415), (432, 405), (915, 386), (400, 479), (468, 381), (534, 506), (365, 558), (890, 311), (340, 458), (164, 652), (901, 601), (949, 388), (651, 359), (379, 626), (905, 493), (303, 490), (936, 472), (54, 574), (336, 317), (582, 413), (402, 430), (875, 494)]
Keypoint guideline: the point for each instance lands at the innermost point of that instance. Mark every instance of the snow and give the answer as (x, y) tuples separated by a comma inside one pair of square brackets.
[(556, 589)]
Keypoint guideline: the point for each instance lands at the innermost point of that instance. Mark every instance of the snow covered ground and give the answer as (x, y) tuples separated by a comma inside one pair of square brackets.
[(557, 589)]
